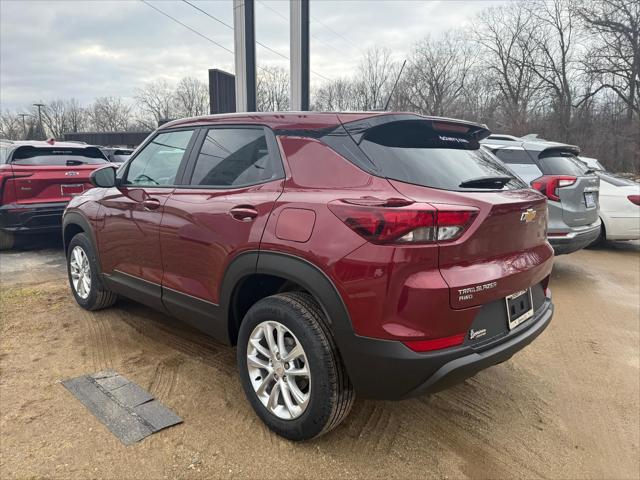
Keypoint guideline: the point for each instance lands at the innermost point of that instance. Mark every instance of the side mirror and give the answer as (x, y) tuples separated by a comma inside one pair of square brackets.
[(104, 177)]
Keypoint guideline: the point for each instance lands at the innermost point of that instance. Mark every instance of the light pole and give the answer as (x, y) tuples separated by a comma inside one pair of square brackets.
[(41, 127), (24, 125)]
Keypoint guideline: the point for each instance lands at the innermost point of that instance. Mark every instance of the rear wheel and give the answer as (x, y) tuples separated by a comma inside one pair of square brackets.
[(84, 278), (7, 240), (290, 368)]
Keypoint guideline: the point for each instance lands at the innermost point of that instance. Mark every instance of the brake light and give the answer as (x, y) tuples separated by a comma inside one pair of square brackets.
[(634, 199), (549, 185), (7, 175), (435, 344), (395, 222)]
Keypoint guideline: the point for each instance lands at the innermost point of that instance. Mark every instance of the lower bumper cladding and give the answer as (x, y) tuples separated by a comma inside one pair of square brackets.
[(408, 373)]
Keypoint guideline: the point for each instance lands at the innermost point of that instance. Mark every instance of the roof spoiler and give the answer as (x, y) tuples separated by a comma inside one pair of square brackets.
[(443, 125)]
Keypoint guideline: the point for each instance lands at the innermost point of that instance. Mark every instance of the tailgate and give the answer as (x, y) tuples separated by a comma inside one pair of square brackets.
[(505, 249), (580, 201), (49, 183)]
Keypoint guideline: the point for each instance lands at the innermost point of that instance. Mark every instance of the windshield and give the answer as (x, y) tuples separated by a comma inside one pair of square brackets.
[(410, 151), (29, 155)]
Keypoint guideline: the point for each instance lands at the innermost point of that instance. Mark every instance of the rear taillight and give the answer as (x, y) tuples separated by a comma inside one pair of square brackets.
[(634, 199), (395, 222), (7, 175), (549, 185)]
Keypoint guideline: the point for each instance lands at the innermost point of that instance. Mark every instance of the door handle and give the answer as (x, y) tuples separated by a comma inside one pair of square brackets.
[(151, 204), (244, 213)]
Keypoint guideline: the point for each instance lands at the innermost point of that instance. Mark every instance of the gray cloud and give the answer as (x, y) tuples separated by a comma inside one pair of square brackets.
[(84, 49)]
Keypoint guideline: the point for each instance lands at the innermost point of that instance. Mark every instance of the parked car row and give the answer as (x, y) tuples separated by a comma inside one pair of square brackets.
[(381, 254)]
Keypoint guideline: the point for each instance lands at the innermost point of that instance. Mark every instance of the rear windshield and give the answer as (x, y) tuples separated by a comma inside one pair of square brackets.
[(562, 164), (412, 152), (28, 155)]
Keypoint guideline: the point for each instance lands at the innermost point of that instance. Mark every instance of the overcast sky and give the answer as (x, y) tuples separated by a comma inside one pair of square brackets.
[(85, 49)]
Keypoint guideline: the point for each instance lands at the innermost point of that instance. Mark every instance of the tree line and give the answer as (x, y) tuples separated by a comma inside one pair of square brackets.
[(566, 70)]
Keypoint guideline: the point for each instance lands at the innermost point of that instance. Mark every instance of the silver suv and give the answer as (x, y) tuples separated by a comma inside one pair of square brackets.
[(570, 186)]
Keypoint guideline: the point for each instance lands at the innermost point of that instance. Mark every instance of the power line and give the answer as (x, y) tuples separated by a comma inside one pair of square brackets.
[(336, 33), (187, 26), (259, 43), (286, 20), (231, 28)]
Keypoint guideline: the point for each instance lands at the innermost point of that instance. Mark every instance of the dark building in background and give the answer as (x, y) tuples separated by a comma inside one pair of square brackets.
[(115, 139), (222, 92)]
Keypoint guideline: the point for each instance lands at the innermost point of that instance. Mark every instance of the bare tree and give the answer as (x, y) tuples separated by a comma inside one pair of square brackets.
[(437, 74), (504, 35), (191, 97), (110, 114), (11, 126), (553, 56), (157, 100), (77, 117), (614, 56), (375, 78), (272, 89), (336, 95)]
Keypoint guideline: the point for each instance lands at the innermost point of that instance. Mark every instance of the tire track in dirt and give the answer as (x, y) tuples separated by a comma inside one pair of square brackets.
[(165, 377), (373, 426), (100, 340)]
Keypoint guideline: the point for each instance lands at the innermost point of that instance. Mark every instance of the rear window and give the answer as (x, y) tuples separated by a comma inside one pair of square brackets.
[(562, 164), (514, 156), (412, 152), (28, 155)]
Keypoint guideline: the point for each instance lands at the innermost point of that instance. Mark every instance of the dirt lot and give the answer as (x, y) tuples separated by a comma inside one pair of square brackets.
[(565, 407)]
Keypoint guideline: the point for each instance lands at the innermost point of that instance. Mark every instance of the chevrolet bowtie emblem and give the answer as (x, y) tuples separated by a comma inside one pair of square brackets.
[(528, 215)]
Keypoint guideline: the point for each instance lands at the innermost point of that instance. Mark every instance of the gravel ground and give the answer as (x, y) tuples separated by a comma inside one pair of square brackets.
[(565, 407)]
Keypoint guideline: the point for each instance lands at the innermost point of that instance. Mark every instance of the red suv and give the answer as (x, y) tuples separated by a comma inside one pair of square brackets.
[(37, 179), (378, 253)]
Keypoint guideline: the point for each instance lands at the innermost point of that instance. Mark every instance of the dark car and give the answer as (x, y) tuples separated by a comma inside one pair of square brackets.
[(373, 253), (37, 180), (571, 187)]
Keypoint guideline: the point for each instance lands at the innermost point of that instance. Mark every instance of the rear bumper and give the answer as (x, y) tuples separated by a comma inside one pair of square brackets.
[(383, 369), (574, 240), (41, 217)]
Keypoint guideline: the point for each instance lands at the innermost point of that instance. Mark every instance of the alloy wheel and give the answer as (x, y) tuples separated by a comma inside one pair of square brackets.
[(279, 370), (80, 272)]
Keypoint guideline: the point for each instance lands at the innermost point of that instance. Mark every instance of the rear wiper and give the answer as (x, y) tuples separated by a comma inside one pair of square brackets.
[(498, 181)]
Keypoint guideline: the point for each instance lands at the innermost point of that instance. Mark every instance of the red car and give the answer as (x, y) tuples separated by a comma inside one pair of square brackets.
[(373, 253), (37, 180)]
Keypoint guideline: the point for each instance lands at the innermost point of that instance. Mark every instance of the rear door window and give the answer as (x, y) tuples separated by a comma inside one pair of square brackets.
[(411, 151), (159, 161), (29, 155), (562, 164), (232, 157)]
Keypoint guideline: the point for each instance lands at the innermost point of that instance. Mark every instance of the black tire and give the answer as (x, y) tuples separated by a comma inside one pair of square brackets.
[(99, 297), (331, 392), (7, 240)]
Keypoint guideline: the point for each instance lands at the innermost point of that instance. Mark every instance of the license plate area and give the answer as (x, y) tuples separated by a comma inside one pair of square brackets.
[(519, 308), (590, 199), (71, 190)]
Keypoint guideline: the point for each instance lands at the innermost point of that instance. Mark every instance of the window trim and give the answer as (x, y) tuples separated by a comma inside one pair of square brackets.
[(272, 147), (122, 177)]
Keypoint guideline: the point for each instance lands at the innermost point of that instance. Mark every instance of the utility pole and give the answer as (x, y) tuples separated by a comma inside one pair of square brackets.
[(299, 39), (245, 54), (24, 125), (40, 126)]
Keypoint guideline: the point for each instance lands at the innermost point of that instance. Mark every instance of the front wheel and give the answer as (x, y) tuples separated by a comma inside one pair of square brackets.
[(290, 368), (84, 279)]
